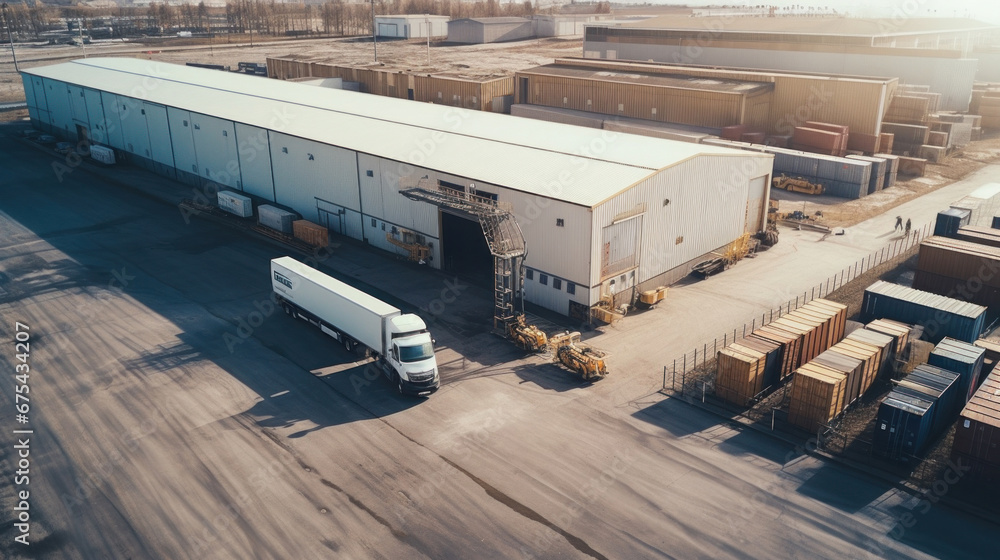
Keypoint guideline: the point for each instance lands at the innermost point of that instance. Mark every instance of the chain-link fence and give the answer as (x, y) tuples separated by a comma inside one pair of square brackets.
[(694, 371)]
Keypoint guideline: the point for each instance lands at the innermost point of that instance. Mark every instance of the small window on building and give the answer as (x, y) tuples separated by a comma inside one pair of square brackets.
[(370, 173), (185, 123), (311, 157), (284, 149), (529, 274), (557, 283), (570, 288), (543, 279), (225, 133), (383, 226), (560, 222), (373, 223), (623, 278)]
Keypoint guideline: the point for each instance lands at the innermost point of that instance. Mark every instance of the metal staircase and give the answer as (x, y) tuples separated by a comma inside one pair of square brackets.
[(503, 235)]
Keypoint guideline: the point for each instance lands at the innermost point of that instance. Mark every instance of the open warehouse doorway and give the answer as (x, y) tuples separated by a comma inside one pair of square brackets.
[(465, 252)]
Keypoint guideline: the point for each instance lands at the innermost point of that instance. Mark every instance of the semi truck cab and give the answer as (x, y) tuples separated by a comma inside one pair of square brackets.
[(411, 355)]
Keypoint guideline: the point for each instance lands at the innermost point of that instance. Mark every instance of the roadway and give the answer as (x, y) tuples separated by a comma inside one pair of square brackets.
[(176, 416)]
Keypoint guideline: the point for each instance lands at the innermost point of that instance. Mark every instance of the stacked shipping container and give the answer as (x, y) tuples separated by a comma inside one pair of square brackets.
[(977, 436)]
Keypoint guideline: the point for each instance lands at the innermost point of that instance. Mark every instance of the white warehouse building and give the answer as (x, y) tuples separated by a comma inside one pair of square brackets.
[(601, 212)]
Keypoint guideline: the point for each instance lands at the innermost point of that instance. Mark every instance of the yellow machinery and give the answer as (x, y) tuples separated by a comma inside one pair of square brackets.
[(604, 310), (796, 184), (586, 361), (417, 252), (649, 298), (528, 337)]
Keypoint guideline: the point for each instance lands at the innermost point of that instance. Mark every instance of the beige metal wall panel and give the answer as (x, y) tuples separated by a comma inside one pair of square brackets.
[(686, 106), (59, 105), (708, 207), (215, 141), (465, 31), (182, 140), (77, 104), (255, 161), (159, 134), (550, 296), (112, 116), (420, 217), (800, 99), (561, 250), (134, 129), (330, 175), (757, 111), (552, 114), (370, 187), (515, 31), (95, 113)]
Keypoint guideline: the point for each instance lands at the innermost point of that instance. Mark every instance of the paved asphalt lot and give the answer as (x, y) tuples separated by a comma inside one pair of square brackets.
[(174, 417)]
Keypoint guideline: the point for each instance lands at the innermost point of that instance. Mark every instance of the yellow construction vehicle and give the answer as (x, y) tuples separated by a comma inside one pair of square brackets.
[(528, 337), (796, 184), (586, 361), (417, 252), (735, 251)]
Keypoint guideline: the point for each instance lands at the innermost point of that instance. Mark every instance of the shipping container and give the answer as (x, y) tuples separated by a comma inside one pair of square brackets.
[(313, 234), (903, 426), (850, 366), (940, 316), (789, 344), (948, 221), (977, 436), (882, 342), (960, 269), (946, 388), (276, 218), (740, 373), (962, 358), (817, 396), (979, 234), (899, 332), (235, 203)]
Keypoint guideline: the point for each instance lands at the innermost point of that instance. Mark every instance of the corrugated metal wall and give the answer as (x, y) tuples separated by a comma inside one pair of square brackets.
[(665, 104), (255, 161), (690, 209), (951, 77), (465, 31), (444, 90), (513, 31), (305, 170)]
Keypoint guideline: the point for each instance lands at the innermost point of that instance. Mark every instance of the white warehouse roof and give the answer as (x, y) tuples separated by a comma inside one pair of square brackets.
[(518, 153)]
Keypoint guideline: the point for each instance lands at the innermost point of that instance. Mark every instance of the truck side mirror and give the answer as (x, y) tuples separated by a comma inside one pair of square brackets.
[(434, 342)]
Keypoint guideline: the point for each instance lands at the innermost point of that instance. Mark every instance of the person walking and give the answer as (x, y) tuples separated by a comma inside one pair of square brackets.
[(908, 226), (899, 223)]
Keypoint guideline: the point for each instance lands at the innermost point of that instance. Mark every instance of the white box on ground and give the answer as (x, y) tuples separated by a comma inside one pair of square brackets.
[(276, 218), (237, 204), (102, 154)]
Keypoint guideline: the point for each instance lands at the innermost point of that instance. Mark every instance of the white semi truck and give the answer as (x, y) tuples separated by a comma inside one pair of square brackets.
[(399, 342)]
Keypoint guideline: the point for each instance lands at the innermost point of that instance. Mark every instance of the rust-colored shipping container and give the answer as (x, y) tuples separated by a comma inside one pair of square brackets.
[(313, 234), (900, 332), (817, 396), (977, 436), (980, 235), (740, 373), (884, 144), (790, 345), (867, 143), (820, 139), (912, 166), (852, 367)]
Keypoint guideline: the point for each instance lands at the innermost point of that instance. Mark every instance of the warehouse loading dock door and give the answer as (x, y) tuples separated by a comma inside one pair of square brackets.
[(620, 246), (464, 248)]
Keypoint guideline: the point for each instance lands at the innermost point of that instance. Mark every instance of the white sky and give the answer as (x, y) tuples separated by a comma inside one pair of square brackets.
[(985, 10)]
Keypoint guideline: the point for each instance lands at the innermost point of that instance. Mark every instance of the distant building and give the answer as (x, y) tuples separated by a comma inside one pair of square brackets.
[(937, 52), (489, 30), (411, 26)]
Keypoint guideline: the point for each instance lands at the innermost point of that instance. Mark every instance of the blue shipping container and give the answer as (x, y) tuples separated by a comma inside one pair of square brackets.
[(962, 358), (939, 315), (902, 426)]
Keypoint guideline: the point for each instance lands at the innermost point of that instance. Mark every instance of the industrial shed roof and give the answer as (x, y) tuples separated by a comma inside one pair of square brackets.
[(868, 27), (494, 20), (526, 155), (678, 80)]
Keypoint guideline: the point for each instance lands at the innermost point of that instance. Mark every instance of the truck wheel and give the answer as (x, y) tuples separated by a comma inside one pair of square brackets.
[(399, 384), (347, 345), (288, 310)]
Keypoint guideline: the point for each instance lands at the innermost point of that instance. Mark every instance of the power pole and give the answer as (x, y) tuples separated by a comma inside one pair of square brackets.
[(10, 36), (374, 32), (428, 22)]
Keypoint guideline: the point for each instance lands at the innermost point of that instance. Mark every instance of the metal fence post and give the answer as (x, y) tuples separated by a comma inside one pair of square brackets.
[(813, 295), (664, 377)]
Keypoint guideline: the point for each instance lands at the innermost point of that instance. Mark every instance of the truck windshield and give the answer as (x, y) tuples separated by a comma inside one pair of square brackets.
[(416, 353)]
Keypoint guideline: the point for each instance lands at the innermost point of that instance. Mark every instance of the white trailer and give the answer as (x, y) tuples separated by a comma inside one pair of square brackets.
[(399, 342)]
